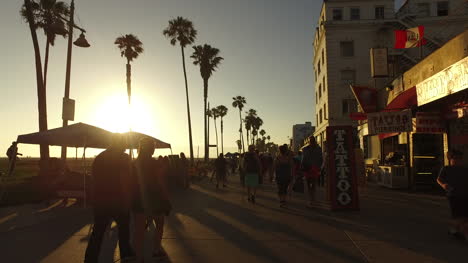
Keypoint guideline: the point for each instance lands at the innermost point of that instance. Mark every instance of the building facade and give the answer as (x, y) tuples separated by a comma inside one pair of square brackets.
[(299, 133), (348, 29)]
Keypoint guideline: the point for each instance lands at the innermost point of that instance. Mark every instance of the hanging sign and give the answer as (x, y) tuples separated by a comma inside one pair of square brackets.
[(389, 122), (430, 122), (379, 62), (68, 110), (341, 168)]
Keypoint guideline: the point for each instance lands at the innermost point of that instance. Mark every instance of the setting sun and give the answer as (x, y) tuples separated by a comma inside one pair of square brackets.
[(115, 115)]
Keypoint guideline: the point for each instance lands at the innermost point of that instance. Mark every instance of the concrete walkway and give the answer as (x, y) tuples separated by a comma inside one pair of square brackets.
[(219, 225)]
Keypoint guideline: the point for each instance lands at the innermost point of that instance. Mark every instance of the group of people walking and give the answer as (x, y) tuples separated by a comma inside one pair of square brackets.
[(286, 169), (121, 188)]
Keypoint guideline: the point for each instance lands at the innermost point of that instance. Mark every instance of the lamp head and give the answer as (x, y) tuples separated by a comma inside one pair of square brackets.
[(81, 41)]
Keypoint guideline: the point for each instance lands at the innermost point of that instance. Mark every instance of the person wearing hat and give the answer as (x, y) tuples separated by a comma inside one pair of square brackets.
[(111, 199), (454, 180)]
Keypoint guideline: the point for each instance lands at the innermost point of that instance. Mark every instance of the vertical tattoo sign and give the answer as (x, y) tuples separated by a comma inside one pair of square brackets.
[(341, 167)]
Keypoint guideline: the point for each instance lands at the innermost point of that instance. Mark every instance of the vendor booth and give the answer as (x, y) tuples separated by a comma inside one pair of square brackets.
[(79, 135)]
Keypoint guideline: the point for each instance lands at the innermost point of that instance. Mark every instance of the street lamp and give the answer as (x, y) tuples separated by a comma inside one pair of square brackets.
[(68, 108)]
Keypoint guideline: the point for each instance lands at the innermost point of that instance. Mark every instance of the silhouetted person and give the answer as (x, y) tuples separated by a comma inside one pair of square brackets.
[(112, 198), (221, 170), (151, 198), (184, 169), (12, 154), (454, 180), (252, 168), (284, 170), (310, 165)]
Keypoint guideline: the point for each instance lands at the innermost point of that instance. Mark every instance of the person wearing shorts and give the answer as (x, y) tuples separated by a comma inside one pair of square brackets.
[(454, 180), (252, 168)]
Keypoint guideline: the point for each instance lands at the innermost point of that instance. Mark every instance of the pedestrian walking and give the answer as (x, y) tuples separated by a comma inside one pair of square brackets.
[(283, 168), (12, 154), (252, 169), (184, 169), (221, 170), (454, 180), (112, 199), (310, 166), (151, 198)]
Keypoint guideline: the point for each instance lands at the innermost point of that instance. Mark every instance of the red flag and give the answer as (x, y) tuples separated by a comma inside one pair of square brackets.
[(412, 37), (367, 98)]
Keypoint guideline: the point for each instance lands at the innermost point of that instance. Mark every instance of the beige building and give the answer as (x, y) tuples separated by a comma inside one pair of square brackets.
[(348, 29)]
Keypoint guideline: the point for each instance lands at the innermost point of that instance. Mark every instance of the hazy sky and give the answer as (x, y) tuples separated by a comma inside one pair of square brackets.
[(267, 47)]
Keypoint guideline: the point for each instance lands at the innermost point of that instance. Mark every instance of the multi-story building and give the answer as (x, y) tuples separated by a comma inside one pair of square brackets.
[(299, 133), (348, 29)]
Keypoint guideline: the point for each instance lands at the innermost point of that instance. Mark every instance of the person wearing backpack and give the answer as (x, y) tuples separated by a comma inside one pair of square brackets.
[(310, 166), (252, 168)]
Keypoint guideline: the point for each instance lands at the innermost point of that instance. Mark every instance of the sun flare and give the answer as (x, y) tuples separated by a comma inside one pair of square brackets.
[(116, 115)]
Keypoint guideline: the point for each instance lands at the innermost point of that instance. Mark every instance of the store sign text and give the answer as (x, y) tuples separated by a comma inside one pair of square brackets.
[(446, 82), (389, 122)]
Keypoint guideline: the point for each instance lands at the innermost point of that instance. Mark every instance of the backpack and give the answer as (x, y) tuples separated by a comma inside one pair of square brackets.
[(250, 163)]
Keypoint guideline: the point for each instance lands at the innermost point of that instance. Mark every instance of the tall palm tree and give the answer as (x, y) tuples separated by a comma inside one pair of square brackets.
[(48, 15), (209, 114), (262, 132), (181, 30), (206, 57), (28, 11), (268, 138), (222, 111), (239, 102), (130, 48), (249, 121), (256, 124), (215, 113)]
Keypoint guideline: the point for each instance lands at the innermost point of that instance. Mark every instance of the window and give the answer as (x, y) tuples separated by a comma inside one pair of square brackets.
[(424, 10), (316, 119), (320, 91), (347, 48), (323, 56), (320, 116), (348, 76), (325, 111), (348, 106), (315, 71), (338, 14), (355, 13), (379, 12), (323, 82), (316, 98), (318, 67), (442, 8)]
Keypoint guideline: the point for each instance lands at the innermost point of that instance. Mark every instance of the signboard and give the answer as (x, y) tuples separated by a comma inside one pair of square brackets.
[(68, 110), (390, 122), (430, 122), (399, 4), (342, 177), (446, 82), (379, 62)]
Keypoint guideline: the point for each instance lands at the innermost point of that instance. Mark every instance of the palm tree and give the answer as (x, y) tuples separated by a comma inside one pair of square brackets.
[(239, 102), (28, 11), (48, 15), (268, 138), (206, 57), (249, 121), (262, 132), (222, 111), (209, 114), (180, 30), (256, 124), (215, 113), (130, 48)]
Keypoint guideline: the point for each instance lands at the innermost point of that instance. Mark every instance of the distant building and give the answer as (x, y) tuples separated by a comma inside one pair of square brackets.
[(299, 133)]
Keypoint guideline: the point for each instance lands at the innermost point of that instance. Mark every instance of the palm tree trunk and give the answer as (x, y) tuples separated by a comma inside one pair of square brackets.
[(46, 62), (216, 132), (240, 130), (188, 109), (41, 91), (222, 135), (129, 82), (205, 97)]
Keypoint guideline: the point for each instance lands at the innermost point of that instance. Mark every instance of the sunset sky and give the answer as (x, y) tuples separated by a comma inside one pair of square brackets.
[(266, 45)]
